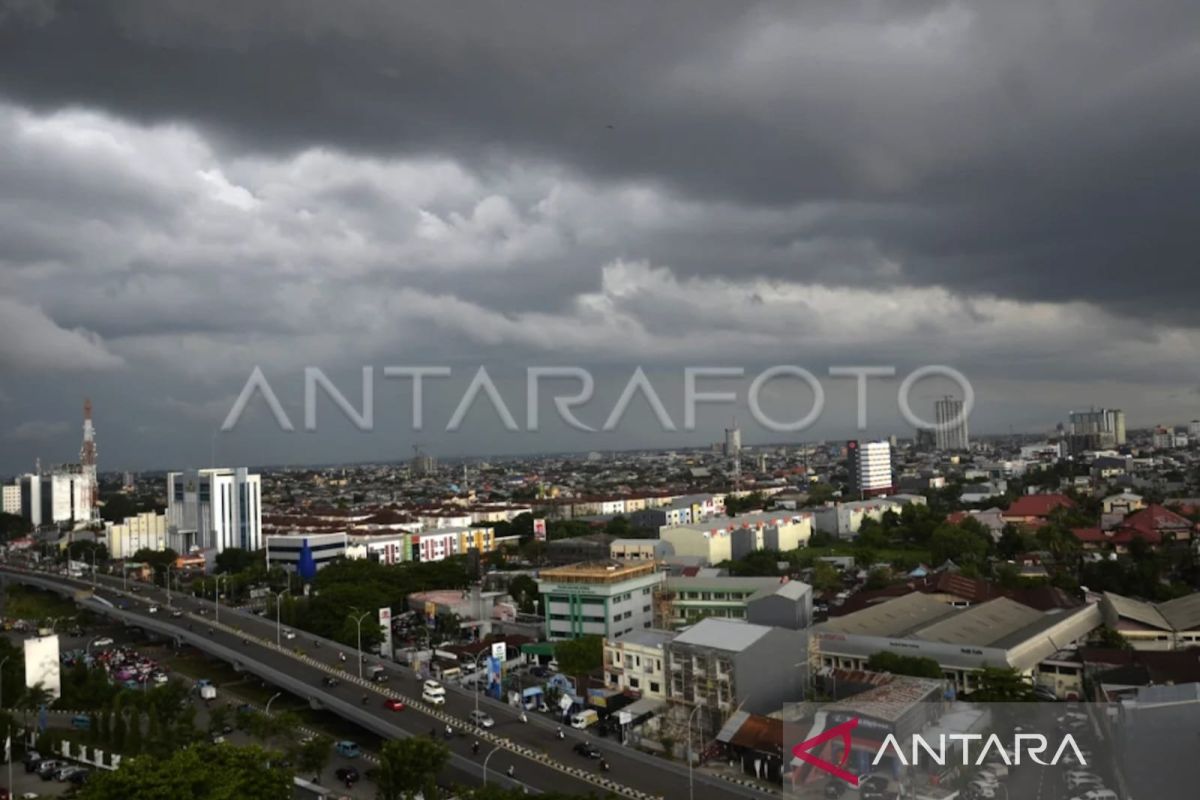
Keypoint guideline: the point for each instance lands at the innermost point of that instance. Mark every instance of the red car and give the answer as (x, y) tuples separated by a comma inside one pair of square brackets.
[(392, 704)]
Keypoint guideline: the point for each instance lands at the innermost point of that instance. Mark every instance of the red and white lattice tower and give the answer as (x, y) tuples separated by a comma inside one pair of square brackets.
[(87, 463)]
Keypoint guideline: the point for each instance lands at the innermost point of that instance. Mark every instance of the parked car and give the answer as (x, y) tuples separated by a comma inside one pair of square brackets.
[(1098, 794), (1077, 778), (103, 641), (587, 750), (482, 719), (177, 613), (347, 749), (153, 609)]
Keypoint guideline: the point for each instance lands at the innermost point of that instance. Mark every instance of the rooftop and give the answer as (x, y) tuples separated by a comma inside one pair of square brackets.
[(612, 571), (723, 634)]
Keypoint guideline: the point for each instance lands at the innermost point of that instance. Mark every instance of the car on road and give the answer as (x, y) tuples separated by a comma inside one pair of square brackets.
[(218, 739), (103, 641), (482, 719), (135, 589), (177, 613), (835, 789), (587, 750), (433, 693), (289, 634), (1078, 778), (153, 609), (347, 775), (330, 681), (347, 749), (393, 704), (46, 769)]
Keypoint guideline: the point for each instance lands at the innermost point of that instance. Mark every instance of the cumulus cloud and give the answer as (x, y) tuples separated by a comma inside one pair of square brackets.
[(200, 189), (30, 340)]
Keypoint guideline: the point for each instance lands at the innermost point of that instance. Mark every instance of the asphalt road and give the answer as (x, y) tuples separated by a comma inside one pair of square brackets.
[(540, 761)]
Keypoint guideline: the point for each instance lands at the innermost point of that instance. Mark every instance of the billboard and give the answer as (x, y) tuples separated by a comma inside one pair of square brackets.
[(539, 530), (385, 625), (42, 665)]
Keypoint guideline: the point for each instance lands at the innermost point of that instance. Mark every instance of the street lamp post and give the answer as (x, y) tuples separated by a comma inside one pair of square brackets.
[(278, 598), (217, 595), (691, 784), (485, 762), (168, 585), (476, 664), (358, 621), (272, 700)]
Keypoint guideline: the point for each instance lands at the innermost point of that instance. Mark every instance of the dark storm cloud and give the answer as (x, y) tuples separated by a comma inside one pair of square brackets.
[(1028, 149)]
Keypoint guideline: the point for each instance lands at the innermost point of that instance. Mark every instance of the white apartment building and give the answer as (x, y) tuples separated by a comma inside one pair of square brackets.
[(605, 598), (635, 662), (145, 531), (725, 538), (10, 499), (870, 466), (214, 509)]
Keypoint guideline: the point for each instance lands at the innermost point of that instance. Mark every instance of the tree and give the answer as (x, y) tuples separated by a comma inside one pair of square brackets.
[(579, 657), (311, 756), (13, 526), (913, 666), (236, 559), (158, 560), (825, 577), (408, 767), (951, 542), (619, 526), (524, 590), (878, 578), (1002, 685), (202, 772), (1108, 637)]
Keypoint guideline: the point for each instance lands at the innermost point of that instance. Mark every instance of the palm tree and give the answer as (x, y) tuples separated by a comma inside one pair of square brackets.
[(34, 698)]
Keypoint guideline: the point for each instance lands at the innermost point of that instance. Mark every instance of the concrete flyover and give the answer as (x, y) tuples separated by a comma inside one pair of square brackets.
[(541, 762)]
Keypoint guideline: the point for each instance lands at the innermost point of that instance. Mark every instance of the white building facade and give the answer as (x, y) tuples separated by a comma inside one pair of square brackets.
[(214, 509)]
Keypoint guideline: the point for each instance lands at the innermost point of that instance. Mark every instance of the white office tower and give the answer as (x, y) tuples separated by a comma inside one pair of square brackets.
[(733, 440), (60, 495), (214, 509), (870, 468), (87, 464), (951, 431)]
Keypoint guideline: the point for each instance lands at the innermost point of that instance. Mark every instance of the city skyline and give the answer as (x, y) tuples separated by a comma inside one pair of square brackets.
[(926, 195)]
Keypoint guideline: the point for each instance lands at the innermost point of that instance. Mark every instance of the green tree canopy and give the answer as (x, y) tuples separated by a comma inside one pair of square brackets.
[(579, 657), (914, 666), (200, 772), (408, 767), (1001, 685)]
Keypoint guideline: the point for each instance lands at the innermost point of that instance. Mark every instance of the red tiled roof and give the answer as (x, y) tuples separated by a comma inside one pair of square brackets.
[(1038, 505), (1156, 519)]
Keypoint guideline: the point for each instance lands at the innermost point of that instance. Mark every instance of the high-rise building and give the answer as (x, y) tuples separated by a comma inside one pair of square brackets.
[(1096, 429), (214, 509), (87, 464), (951, 431), (870, 468), (57, 496), (10, 499), (733, 440)]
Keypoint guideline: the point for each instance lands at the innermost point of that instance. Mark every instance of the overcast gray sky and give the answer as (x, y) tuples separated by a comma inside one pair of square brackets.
[(188, 190)]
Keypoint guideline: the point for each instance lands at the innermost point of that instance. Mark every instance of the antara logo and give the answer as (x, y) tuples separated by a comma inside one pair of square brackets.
[(838, 770), (1031, 744)]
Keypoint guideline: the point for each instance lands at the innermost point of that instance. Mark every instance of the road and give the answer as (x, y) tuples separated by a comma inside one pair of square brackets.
[(540, 761)]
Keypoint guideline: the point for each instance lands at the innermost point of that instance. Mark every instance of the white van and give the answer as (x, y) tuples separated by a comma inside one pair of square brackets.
[(433, 693), (583, 719)]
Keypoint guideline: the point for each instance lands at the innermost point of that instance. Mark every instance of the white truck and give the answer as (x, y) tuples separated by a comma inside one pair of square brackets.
[(207, 690)]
